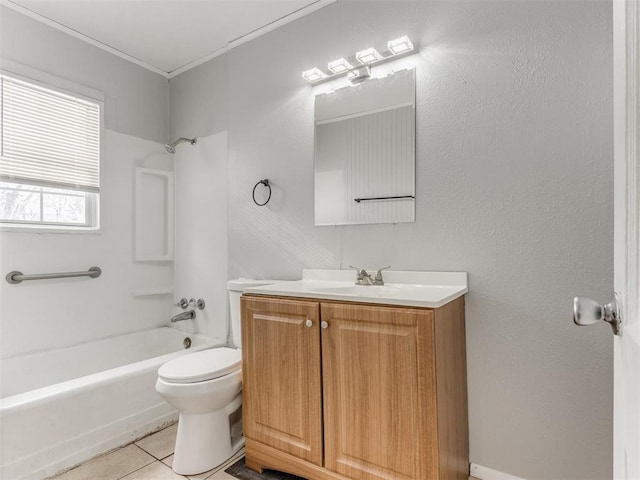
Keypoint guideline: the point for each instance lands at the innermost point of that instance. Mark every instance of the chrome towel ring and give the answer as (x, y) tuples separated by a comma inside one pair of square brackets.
[(264, 182)]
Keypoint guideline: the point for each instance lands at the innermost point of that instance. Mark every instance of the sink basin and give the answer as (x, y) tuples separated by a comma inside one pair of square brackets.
[(360, 290)]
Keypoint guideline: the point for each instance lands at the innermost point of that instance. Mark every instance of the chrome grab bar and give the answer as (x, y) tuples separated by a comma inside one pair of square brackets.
[(17, 277)]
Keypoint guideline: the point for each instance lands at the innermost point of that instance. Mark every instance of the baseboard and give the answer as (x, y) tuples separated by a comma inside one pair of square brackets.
[(484, 473)]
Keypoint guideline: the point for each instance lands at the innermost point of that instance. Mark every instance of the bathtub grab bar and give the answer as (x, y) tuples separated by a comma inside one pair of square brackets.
[(17, 277)]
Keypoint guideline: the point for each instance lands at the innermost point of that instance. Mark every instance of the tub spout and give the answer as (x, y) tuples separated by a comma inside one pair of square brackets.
[(190, 315)]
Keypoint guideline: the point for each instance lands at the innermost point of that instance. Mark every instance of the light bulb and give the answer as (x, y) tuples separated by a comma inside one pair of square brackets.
[(367, 56), (339, 66), (313, 75), (400, 45)]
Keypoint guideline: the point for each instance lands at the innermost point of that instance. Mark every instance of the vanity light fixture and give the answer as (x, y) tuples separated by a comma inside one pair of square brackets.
[(358, 66), (313, 75), (400, 45), (339, 66), (359, 74), (368, 56)]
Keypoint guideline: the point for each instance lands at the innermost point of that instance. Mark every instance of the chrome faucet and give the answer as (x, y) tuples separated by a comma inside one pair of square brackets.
[(189, 315), (364, 278), (378, 280)]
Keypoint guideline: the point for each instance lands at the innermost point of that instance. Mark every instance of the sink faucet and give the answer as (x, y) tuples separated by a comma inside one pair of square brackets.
[(378, 280), (190, 315), (364, 278)]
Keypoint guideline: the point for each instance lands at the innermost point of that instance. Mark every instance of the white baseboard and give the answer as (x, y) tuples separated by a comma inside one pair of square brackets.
[(484, 473)]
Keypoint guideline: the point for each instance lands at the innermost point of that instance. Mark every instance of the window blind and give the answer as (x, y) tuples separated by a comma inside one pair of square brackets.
[(48, 138)]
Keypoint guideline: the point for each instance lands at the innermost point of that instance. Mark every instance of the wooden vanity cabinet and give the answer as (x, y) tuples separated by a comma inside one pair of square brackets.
[(282, 391), (339, 390)]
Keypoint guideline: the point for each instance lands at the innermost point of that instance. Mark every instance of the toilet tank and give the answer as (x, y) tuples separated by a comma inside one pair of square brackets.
[(235, 289)]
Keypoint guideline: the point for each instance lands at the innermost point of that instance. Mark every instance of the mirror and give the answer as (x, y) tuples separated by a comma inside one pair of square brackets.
[(365, 152)]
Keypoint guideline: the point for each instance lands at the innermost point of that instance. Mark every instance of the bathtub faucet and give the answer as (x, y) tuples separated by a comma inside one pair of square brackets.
[(190, 315)]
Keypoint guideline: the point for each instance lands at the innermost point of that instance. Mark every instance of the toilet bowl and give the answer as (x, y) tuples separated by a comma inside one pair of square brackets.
[(205, 387)]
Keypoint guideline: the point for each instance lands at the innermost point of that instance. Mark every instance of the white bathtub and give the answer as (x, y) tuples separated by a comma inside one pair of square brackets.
[(62, 407)]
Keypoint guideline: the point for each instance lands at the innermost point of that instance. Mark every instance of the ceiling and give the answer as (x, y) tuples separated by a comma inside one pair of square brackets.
[(166, 36)]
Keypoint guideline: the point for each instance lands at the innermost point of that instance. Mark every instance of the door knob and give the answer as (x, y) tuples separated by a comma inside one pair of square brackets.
[(587, 312), (324, 324), (308, 323)]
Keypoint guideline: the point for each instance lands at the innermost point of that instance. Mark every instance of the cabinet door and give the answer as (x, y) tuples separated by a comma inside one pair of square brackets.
[(379, 393), (282, 390)]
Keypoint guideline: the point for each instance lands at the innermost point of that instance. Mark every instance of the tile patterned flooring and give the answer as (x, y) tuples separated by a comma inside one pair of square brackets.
[(147, 459)]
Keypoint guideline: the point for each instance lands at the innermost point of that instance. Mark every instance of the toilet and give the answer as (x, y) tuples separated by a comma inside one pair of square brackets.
[(205, 387)]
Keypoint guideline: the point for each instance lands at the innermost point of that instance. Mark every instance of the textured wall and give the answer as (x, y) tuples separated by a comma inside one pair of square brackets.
[(514, 185), (198, 100)]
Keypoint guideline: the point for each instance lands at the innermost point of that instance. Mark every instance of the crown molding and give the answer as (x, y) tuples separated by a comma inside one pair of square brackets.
[(318, 4), (188, 66), (80, 36)]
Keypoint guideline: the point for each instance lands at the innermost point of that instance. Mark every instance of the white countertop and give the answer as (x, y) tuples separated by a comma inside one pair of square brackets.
[(415, 289)]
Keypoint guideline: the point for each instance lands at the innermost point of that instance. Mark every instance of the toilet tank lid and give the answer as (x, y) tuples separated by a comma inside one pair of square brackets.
[(202, 365), (240, 284)]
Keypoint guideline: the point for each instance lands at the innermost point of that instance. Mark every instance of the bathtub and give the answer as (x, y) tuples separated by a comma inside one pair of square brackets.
[(62, 407)]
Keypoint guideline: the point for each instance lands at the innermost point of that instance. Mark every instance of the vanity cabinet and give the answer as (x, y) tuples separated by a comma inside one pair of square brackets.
[(342, 390), (282, 384)]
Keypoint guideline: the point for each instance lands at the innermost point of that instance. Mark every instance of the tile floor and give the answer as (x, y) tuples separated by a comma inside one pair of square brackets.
[(147, 459)]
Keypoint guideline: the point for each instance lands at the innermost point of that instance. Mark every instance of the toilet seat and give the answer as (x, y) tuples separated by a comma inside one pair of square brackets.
[(201, 366)]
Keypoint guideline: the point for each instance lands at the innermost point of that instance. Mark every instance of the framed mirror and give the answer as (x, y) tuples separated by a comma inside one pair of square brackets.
[(365, 152)]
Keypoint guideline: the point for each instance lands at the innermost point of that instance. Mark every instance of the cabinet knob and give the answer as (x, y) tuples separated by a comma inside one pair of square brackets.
[(308, 323), (324, 324)]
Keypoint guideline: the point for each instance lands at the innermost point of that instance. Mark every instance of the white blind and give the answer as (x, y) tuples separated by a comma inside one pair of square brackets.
[(48, 138)]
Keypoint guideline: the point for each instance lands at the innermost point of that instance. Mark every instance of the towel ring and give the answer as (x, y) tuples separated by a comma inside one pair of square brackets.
[(264, 182)]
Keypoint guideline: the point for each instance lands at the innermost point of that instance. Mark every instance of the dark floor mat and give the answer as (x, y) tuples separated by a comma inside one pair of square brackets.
[(239, 470)]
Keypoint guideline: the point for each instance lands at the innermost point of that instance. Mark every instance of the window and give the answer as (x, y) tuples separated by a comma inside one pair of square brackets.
[(50, 157)]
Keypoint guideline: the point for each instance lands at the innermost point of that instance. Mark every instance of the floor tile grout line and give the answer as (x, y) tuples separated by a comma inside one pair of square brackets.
[(146, 465), (155, 461), (152, 459), (148, 453), (136, 442), (232, 461), (237, 456)]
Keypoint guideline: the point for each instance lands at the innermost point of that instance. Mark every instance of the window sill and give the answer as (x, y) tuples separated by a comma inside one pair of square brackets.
[(57, 229)]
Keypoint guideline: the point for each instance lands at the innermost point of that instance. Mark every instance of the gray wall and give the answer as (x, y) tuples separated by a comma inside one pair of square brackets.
[(136, 100), (198, 100), (514, 186)]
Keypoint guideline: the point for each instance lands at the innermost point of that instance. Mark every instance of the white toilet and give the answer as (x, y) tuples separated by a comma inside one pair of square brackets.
[(205, 388)]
